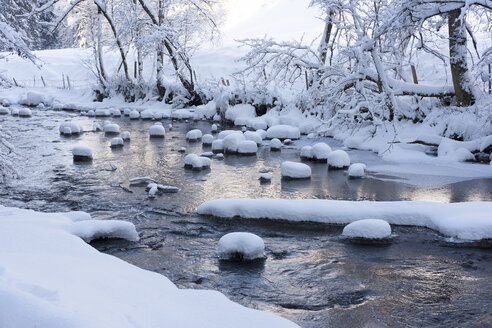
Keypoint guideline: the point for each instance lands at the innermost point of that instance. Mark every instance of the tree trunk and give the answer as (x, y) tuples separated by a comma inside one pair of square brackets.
[(323, 47), (457, 59), (102, 71)]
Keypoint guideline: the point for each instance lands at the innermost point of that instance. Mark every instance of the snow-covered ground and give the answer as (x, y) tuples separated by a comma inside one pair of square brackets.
[(467, 221), (49, 277)]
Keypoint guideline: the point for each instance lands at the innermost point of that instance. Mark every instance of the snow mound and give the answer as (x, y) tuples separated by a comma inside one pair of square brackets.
[(182, 114), (96, 127), (115, 112), (157, 131), (287, 141), (81, 153), (146, 114), (265, 177), (117, 142), (253, 136), (306, 152), (232, 141), (68, 128), (111, 128), (25, 112), (452, 150), (275, 144), (240, 114), (262, 133), (338, 159), (321, 151), (283, 132), (102, 112), (134, 115), (353, 142), (217, 146), (91, 113), (241, 246), (196, 162), (214, 128), (356, 170), (32, 99), (90, 230), (207, 139), (225, 133), (194, 135), (208, 154), (293, 170), (368, 229), (126, 135), (4, 110), (247, 147)]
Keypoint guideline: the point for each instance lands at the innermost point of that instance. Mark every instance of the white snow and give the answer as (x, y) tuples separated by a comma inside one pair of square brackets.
[(4, 110), (306, 152), (102, 112), (321, 151), (82, 152), (240, 114), (253, 136), (468, 221), (214, 128), (31, 99), (157, 130), (287, 141), (294, 170), (247, 147), (146, 114), (225, 133), (25, 112), (217, 145), (241, 245), (207, 139), (196, 162), (117, 142), (275, 144), (338, 159), (194, 135), (265, 177), (232, 141), (368, 229), (283, 132), (141, 179), (134, 115), (208, 154), (49, 277), (126, 135), (486, 143), (115, 112), (96, 127), (70, 128), (111, 128), (356, 170)]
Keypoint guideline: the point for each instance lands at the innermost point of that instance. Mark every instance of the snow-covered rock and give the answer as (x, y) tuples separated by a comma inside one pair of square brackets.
[(116, 142), (232, 141), (217, 146), (155, 188), (208, 154), (157, 131), (265, 177), (25, 112), (182, 114), (219, 156), (241, 246), (194, 135), (368, 229), (207, 139), (32, 99), (96, 127), (111, 128), (68, 128), (134, 115), (4, 110), (146, 114), (486, 144), (283, 132), (253, 136), (225, 133), (307, 153), (247, 147), (81, 153), (126, 135), (127, 111), (294, 170), (115, 112), (338, 159), (182, 150), (214, 128), (15, 111), (356, 170), (275, 144), (196, 162), (262, 133), (287, 141), (102, 112), (91, 113), (321, 151)]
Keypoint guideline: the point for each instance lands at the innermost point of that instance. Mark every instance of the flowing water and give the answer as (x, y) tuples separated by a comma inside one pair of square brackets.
[(311, 275)]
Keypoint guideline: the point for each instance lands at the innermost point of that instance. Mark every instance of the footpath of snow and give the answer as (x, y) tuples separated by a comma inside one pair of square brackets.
[(467, 221), (49, 277)]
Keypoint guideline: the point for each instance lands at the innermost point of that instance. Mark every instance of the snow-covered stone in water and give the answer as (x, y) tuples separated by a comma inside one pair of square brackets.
[(15, 111), (219, 156), (294, 170), (115, 112), (217, 146), (182, 150), (307, 152), (4, 111), (134, 115), (244, 129), (170, 126), (96, 127), (102, 112), (321, 151), (311, 136), (91, 113), (208, 154), (153, 189), (356, 170), (25, 112), (196, 162), (111, 128), (338, 159), (157, 131), (231, 142), (486, 144), (368, 229), (126, 135), (5, 102), (127, 111), (82, 153), (241, 246), (287, 141), (74, 128), (253, 136), (247, 147), (225, 133), (116, 142), (353, 142), (194, 135), (207, 139), (283, 132), (275, 144), (32, 99), (214, 128), (146, 115), (265, 177), (262, 133)]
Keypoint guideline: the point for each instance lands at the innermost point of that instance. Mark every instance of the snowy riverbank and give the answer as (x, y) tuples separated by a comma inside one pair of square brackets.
[(49, 277)]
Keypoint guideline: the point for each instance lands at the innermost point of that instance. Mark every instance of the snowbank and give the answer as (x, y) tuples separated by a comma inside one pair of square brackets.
[(49, 277), (368, 229), (241, 246), (293, 170), (468, 221)]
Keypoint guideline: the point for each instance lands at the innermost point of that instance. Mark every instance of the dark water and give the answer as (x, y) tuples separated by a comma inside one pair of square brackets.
[(311, 275)]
